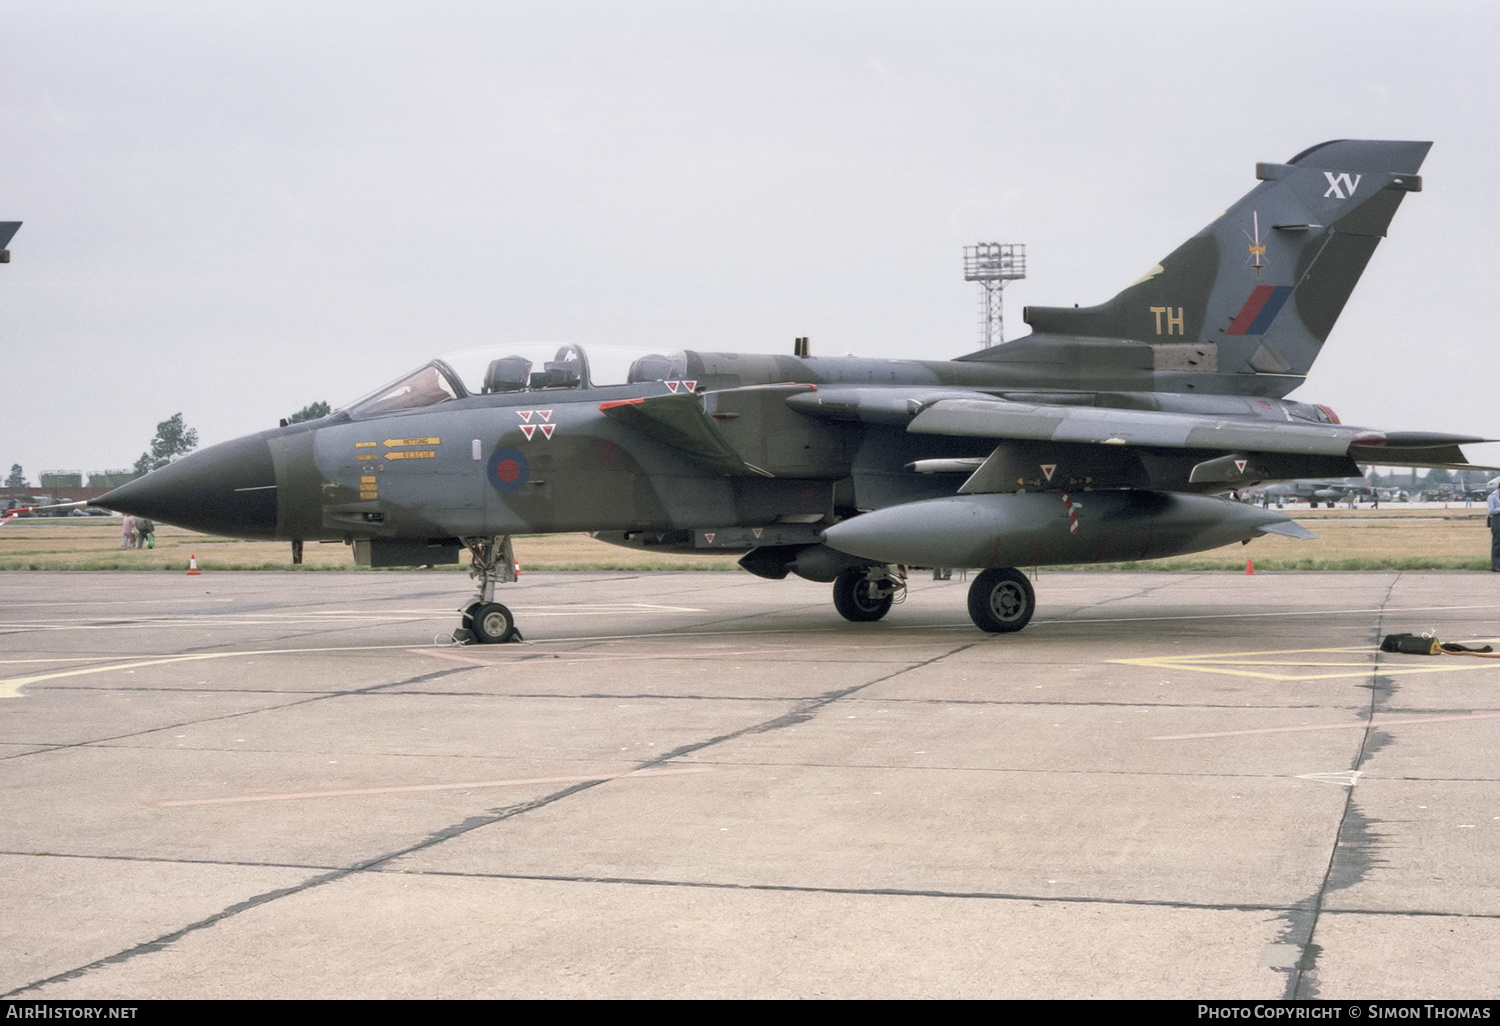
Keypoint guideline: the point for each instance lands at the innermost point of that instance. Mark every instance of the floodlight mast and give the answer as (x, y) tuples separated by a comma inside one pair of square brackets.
[(993, 264)]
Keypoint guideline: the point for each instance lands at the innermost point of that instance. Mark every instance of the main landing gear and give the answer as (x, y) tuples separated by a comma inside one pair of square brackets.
[(491, 562), (864, 594), (1001, 600)]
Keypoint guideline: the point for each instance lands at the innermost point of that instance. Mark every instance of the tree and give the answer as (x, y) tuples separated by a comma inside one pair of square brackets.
[(173, 441), (17, 477), (312, 411)]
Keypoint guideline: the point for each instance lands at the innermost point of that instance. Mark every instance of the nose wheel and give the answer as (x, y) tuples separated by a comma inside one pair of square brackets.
[(490, 623)]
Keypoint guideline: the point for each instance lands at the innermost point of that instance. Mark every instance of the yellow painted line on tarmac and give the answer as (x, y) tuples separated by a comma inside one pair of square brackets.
[(328, 616), (56, 659), (1295, 661), (10, 686), (421, 788), (1350, 725), (1240, 615), (241, 620)]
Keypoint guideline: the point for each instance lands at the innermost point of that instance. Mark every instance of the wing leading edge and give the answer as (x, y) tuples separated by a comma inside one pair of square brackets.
[(1033, 442)]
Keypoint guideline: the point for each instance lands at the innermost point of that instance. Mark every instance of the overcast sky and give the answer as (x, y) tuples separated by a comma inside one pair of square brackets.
[(234, 209)]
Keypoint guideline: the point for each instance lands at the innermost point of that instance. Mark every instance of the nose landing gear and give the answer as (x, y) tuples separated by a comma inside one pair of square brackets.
[(491, 562), (490, 623)]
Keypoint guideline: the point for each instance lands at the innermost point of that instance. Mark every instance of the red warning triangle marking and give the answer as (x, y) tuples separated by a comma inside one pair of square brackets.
[(544, 414), (672, 385), (757, 531), (1049, 469), (547, 429), (1240, 465), (528, 430), (709, 537), (691, 386), (524, 415)]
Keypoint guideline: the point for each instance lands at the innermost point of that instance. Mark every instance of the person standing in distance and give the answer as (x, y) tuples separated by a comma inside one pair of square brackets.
[(1494, 521)]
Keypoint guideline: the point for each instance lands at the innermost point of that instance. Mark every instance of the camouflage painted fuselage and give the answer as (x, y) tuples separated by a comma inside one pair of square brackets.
[(553, 460)]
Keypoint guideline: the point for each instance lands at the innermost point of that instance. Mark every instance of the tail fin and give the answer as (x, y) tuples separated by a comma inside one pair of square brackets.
[(1257, 290)]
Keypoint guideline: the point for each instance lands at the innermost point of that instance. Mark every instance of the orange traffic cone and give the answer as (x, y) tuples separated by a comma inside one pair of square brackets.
[(193, 570), (1249, 567)]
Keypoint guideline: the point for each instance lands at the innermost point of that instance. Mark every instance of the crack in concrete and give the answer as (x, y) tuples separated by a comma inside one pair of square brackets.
[(1351, 855), (911, 892), (790, 888), (172, 860), (900, 892)]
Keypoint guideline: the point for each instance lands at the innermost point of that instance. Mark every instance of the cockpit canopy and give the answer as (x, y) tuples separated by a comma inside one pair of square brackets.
[(527, 368)]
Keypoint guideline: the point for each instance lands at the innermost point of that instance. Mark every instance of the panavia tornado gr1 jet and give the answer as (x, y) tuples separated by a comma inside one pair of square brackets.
[(1102, 436)]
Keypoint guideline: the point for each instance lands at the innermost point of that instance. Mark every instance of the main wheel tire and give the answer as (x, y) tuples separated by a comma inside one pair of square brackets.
[(491, 623), (1001, 600), (851, 597)]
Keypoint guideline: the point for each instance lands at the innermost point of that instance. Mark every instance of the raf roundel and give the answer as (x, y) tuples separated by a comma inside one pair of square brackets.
[(507, 470)]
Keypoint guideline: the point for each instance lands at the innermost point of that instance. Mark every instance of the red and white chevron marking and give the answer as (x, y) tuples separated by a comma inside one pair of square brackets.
[(1072, 508)]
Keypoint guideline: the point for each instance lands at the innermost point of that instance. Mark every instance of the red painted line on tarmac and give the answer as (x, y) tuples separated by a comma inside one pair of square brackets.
[(452, 657), (1357, 725), (419, 788), (615, 657)]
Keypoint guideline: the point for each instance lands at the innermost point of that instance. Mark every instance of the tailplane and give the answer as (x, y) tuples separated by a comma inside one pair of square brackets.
[(1257, 291)]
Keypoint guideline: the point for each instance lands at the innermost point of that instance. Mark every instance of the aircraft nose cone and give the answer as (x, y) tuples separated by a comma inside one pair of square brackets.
[(225, 489)]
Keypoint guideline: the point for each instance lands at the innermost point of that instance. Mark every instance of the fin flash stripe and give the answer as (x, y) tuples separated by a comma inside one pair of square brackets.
[(1260, 309)]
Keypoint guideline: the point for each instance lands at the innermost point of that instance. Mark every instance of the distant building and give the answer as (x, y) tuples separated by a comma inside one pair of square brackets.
[(110, 478)]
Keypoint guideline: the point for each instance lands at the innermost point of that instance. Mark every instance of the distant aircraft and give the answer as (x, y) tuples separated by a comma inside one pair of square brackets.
[(1330, 490), (1102, 436)]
